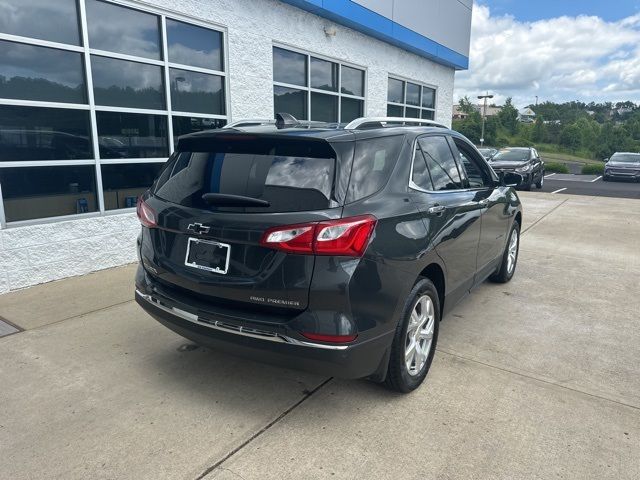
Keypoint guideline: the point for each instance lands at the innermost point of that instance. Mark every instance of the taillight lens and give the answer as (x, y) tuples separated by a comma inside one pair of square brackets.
[(346, 236), (319, 337), (146, 214)]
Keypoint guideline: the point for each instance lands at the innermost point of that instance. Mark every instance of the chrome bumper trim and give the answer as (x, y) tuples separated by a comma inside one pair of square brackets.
[(236, 329)]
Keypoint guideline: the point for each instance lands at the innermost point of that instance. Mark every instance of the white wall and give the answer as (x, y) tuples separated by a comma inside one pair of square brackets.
[(41, 253)]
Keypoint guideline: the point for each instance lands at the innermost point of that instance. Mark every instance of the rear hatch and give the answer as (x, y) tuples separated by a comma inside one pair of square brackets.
[(213, 202)]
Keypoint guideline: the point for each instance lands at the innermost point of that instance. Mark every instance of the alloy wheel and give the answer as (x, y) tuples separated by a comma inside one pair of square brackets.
[(419, 338), (512, 253)]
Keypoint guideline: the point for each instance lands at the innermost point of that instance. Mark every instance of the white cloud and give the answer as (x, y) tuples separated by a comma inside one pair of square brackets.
[(559, 59)]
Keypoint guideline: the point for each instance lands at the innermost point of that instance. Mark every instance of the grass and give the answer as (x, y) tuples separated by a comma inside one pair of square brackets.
[(566, 158), (555, 167)]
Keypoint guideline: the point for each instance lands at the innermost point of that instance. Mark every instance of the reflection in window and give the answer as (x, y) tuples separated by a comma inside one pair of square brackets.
[(39, 73), (415, 101), (289, 67), (123, 183), (396, 91), (324, 75), (186, 125), (127, 84), (428, 97), (324, 108), (352, 81), (442, 166), (413, 94), (196, 92), (412, 112), (42, 192), (132, 135), (34, 133), (56, 21), (192, 45), (351, 109), (123, 30), (395, 111), (290, 100)]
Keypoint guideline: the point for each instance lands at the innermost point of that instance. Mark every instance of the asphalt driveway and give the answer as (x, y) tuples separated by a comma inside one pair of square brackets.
[(538, 378)]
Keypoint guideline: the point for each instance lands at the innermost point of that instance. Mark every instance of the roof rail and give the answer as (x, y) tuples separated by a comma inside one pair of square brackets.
[(250, 122), (283, 120), (359, 123)]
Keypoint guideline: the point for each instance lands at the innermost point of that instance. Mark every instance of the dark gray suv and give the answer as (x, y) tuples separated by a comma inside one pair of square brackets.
[(333, 249), (622, 165)]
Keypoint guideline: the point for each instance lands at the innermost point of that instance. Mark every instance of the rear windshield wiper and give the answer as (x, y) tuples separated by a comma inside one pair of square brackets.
[(226, 200)]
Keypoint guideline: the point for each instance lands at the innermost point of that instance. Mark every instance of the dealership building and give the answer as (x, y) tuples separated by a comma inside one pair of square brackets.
[(95, 93)]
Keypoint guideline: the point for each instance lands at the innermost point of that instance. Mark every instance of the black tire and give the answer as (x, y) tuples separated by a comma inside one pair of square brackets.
[(540, 183), (527, 187), (605, 178), (398, 376), (503, 274)]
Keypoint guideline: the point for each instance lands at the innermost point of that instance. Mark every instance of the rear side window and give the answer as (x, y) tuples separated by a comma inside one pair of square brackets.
[(440, 163), (289, 183), (373, 162)]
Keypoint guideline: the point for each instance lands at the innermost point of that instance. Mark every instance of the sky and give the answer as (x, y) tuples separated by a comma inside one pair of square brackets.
[(558, 50)]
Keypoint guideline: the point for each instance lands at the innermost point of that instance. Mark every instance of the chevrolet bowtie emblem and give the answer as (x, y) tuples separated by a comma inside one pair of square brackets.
[(198, 228)]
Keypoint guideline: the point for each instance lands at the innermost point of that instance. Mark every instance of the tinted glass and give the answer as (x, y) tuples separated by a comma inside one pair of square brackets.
[(288, 183), (132, 135), (352, 81), (396, 91), (324, 108), (122, 184), (324, 75), (475, 175), (186, 125), (191, 45), (413, 94), (412, 112), (420, 175), (127, 84), (351, 109), (289, 67), (428, 97), (56, 21), (373, 162), (39, 73), (290, 100), (515, 155), (123, 30), (395, 111), (33, 133), (441, 164), (196, 92), (625, 157), (41, 192), (428, 114)]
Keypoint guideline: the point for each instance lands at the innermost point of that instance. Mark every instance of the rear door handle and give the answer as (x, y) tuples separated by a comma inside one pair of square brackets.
[(437, 210), (483, 203)]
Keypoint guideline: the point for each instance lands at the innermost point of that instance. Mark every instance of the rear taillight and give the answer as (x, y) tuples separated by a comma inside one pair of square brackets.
[(346, 236), (319, 337), (146, 214)]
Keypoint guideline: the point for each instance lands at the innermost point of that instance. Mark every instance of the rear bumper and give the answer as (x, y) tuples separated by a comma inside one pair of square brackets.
[(275, 346)]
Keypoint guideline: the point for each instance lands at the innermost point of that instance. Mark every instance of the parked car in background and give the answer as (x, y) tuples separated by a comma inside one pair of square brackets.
[(488, 153), (624, 165), (331, 249), (522, 160)]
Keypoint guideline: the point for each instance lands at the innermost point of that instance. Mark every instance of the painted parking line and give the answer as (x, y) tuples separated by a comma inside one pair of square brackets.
[(550, 175), (596, 179), (561, 190), (569, 177)]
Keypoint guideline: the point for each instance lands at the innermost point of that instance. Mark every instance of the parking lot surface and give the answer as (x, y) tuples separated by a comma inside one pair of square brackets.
[(592, 185), (537, 378)]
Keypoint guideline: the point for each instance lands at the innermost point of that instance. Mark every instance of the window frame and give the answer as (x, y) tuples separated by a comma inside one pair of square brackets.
[(309, 90), (404, 105), (86, 52)]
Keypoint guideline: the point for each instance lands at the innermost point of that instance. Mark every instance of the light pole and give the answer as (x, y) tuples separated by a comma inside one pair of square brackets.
[(484, 114)]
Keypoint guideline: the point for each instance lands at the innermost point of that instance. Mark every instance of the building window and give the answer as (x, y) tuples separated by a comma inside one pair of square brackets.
[(410, 99), (93, 98), (313, 88)]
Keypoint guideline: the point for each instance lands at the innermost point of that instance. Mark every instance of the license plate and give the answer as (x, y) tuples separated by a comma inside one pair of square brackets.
[(208, 255)]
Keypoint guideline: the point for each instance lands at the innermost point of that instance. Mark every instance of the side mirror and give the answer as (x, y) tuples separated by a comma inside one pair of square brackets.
[(510, 179)]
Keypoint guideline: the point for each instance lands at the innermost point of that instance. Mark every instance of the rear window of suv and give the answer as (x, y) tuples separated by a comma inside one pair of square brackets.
[(289, 182)]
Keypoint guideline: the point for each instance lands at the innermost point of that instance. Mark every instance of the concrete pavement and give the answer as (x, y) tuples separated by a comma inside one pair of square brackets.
[(534, 379)]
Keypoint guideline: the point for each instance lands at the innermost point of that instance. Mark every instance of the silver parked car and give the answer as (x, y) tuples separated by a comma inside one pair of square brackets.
[(622, 165)]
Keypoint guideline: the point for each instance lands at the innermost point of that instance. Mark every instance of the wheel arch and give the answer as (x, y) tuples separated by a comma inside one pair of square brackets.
[(435, 273)]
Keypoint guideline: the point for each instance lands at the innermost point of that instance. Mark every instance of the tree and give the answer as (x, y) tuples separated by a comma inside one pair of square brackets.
[(571, 137), (466, 106), (509, 117), (539, 133)]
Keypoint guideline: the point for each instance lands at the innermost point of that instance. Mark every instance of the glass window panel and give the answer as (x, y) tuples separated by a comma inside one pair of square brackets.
[(192, 45), (290, 100), (38, 73), (123, 30), (123, 183), (428, 114), (34, 133), (441, 164), (196, 92), (56, 21), (351, 109), (324, 108), (324, 75), (289, 67), (396, 91), (395, 111), (352, 81), (132, 135), (127, 84), (186, 125), (413, 94), (412, 112), (428, 97), (42, 192)]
